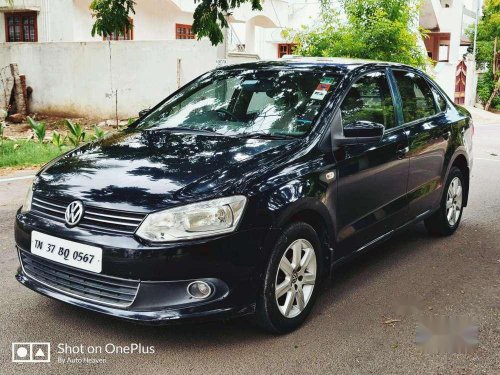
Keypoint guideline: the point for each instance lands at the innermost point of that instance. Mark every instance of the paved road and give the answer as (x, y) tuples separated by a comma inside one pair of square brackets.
[(457, 276)]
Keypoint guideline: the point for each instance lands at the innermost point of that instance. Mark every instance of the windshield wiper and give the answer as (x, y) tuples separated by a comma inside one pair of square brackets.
[(186, 129), (266, 136)]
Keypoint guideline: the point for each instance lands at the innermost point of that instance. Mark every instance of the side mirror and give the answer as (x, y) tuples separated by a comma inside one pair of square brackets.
[(355, 133), (144, 112), (364, 131)]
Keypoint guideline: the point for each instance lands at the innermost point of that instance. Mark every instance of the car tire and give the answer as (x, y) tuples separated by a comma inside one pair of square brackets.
[(290, 288), (446, 219)]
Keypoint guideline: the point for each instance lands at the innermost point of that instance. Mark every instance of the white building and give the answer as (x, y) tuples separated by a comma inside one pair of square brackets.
[(72, 72), (71, 21), (447, 45)]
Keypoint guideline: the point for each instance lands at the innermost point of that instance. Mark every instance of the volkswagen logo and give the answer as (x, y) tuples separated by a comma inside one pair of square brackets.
[(74, 213)]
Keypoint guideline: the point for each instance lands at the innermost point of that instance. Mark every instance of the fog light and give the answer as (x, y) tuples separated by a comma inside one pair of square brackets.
[(199, 289)]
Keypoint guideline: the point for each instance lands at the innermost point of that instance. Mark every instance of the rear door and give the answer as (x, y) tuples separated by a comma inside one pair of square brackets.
[(372, 178), (428, 132)]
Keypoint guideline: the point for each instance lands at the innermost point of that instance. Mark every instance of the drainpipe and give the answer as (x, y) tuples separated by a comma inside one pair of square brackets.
[(46, 19)]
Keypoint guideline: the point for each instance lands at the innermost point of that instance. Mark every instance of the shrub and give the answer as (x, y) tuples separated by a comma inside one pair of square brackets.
[(57, 140), (38, 127), (98, 133), (77, 135)]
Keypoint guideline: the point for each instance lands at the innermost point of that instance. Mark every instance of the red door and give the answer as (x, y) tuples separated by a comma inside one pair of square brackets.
[(460, 80)]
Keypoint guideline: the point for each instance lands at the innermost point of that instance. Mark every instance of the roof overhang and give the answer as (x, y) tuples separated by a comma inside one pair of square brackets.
[(429, 17), (15, 8)]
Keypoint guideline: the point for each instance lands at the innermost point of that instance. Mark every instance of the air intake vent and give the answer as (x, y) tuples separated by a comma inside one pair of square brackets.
[(97, 288)]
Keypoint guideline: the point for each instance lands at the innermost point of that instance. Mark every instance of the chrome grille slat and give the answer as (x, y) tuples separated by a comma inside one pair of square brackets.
[(47, 208), (90, 212), (110, 222), (49, 203), (94, 218), (104, 230), (81, 284)]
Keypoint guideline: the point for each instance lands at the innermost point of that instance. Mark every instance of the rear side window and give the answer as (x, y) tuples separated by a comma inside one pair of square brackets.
[(441, 102), (369, 99), (416, 95)]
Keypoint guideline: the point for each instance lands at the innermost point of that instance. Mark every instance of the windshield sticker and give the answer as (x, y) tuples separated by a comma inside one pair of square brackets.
[(250, 82), (327, 80), (323, 87), (303, 121), (319, 94)]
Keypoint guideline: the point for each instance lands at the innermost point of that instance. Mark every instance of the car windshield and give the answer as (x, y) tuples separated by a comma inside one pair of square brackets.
[(282, 102)]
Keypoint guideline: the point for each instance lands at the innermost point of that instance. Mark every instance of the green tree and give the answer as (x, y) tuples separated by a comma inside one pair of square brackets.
[(487, 47), (370, 29), (210, 16)]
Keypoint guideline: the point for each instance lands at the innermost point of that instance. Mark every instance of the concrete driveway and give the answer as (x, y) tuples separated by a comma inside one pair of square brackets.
[(356, 326)]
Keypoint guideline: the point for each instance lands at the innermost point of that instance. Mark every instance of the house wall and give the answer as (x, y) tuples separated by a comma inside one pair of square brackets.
[(58, 22), (55, 20), (77, 78), (267, 42), (2, 27), (71, 20), (444, 74), (82, 22), (153, 20), (471, 82), (452, 23)]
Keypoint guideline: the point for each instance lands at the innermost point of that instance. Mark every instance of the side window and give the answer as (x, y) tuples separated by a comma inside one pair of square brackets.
[(441, 102), (416, 96), (369, 99)]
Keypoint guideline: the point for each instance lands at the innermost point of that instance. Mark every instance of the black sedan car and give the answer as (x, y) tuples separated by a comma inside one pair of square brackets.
[(242, 190)]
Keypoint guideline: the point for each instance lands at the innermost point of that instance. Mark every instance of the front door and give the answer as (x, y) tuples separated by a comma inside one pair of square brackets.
[(372, 178)]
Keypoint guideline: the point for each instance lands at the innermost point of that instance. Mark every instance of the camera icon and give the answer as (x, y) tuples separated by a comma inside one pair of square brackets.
[(31, 352)]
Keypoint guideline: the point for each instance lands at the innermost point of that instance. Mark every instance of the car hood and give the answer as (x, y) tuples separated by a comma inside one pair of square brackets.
[(149, 170)]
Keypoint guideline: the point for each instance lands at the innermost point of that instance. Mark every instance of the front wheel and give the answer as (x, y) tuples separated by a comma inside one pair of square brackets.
[(446, 220), (291, 280)]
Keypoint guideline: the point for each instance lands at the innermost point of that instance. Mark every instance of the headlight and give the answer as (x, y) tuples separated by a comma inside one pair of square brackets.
[(27, 201), (195, 220)]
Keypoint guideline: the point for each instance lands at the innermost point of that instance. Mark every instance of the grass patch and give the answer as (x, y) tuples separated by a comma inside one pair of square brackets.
[(26, 153)]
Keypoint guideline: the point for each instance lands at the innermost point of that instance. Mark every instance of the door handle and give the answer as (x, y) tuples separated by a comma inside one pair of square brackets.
[(446, 135)]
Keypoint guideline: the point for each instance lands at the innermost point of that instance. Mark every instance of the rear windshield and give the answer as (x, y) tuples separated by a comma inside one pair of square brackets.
[(233, 102)]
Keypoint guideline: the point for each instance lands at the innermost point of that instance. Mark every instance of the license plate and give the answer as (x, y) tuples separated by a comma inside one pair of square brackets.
[(70, 253)]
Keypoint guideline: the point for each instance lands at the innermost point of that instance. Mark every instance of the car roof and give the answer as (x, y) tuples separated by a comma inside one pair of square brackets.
[(334, 63)]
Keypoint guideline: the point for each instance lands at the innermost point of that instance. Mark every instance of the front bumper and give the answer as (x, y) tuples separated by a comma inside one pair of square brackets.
[(213, 310), (232, 264)]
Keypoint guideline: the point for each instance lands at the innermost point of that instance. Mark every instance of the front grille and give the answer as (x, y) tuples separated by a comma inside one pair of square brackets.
[(96, 218), (101, 289)]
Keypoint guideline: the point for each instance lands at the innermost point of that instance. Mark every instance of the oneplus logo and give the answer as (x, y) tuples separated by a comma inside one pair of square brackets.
[(31, 352)]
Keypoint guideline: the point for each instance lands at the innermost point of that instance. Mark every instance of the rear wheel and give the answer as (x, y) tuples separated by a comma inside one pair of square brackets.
[(291, 280), (446, 220)]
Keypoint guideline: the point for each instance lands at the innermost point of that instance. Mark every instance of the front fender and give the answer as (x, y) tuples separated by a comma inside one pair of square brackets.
[(307, 199)]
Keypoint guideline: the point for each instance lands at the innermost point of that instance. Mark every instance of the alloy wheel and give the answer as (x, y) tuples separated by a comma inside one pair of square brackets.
[(295, 278), (454, 201)]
